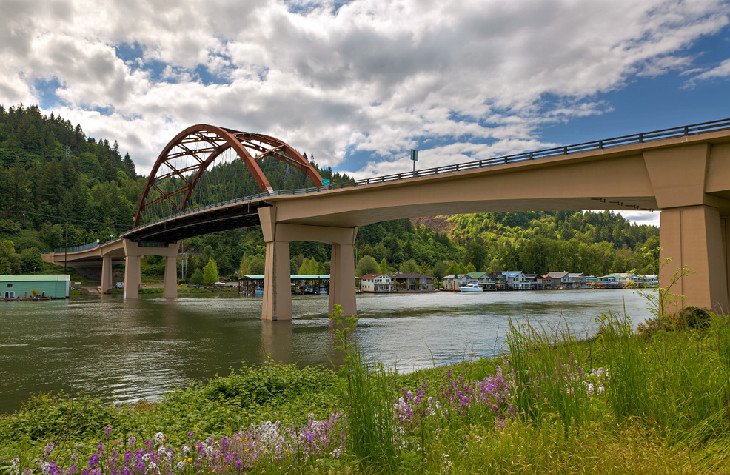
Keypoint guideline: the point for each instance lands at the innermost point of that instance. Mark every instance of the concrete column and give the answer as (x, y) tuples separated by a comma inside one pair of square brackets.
[(342, 278), (107, 278), (277, 282), (693, 236), (132, 276), (170, 279)]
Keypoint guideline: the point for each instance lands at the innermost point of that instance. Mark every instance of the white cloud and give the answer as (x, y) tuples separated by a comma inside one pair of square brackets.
[(722, 70), (372, 76)]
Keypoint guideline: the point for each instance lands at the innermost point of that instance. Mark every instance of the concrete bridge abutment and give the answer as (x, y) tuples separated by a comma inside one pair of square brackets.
[(277, 284), (134, 252)]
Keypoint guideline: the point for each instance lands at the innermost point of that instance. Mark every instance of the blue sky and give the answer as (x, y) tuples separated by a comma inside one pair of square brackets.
[(357, 84)]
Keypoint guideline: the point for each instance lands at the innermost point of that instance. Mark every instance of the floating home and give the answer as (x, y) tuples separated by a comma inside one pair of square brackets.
[(29, 287)]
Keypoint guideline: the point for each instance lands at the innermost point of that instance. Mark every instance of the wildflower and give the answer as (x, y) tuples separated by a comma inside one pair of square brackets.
[(152, 466), (132, 441), (159, 437), (181, 466), (107, 431), (48, 449)]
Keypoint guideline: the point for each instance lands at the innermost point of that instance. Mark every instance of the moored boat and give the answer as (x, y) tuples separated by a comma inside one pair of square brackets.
[(471, 287)]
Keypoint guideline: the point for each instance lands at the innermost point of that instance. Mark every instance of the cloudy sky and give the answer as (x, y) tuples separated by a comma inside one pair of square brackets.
[(357, 84)]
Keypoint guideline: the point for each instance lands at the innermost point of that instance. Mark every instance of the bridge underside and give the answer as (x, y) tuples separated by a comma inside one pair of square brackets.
[(198, 223)]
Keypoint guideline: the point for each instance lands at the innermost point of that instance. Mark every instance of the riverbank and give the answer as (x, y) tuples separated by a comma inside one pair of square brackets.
[(617, 403)]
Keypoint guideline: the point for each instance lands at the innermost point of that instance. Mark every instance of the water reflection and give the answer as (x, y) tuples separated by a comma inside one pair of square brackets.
[(124, 351)]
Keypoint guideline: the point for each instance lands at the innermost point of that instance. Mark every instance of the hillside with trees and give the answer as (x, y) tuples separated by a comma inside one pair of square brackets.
[(59, 188)]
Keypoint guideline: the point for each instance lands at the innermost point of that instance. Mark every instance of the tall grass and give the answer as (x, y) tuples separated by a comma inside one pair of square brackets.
[(368, 402), (627, 391), (548, 370)]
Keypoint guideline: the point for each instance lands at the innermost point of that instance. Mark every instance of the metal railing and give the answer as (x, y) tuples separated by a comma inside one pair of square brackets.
[(84, 247), (642, 137)]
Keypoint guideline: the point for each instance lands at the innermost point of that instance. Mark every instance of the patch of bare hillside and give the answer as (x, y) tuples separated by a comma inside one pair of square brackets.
[(439, 224)]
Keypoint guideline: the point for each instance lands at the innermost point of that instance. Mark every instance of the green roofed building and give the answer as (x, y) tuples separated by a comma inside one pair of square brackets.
[(30, 286)]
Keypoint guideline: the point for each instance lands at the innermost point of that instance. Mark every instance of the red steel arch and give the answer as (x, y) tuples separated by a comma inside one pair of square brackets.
[(204, 143)]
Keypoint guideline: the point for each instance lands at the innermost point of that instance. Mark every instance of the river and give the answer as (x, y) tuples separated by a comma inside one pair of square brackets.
[(126, 351)]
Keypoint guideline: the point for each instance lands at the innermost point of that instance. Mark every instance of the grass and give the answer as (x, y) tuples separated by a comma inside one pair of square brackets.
[(617, 403)]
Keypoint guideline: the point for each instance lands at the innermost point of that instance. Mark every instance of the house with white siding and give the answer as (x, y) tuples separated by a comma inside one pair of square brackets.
[(377, 283)]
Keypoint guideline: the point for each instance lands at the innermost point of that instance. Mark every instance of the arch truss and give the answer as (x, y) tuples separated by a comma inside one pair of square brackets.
[(186, 157)]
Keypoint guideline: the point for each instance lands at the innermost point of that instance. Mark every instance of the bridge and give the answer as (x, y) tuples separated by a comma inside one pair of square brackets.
[(682, 171)]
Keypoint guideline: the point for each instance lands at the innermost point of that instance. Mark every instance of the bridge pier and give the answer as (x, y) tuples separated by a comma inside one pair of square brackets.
[(133, 253), (107, 277), (693, 232), (342, 277), (696, 237), (277, 283)]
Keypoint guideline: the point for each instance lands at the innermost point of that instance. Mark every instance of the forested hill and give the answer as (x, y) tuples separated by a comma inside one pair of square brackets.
[(58, 187)]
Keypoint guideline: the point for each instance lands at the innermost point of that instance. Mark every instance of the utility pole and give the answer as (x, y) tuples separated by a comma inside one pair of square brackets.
[(65, 246)]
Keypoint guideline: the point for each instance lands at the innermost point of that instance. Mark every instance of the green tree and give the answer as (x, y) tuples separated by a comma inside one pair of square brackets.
[(410, 266), (476, 253), (383, 266), (244, 268), (309, 267), (367, 265), (210, 272), (9, 260), (30, 260), (197, 277)]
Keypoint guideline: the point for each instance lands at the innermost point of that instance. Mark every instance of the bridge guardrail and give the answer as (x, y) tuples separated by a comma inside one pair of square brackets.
[(642, 137), (83, 247)]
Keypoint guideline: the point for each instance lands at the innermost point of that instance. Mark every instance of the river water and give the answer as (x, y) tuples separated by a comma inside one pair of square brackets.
[(126, 351)]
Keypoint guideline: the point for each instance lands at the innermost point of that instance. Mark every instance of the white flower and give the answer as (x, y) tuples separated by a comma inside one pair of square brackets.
[(181, 466), (152, 466), (590, 389), (601, 389), (159, 437)]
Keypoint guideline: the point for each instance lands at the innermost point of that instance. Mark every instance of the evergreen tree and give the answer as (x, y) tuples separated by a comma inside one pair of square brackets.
[(308, 267), (210, 272), (197, 277)]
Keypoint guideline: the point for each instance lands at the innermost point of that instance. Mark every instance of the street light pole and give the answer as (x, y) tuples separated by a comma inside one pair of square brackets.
[(414, 159)]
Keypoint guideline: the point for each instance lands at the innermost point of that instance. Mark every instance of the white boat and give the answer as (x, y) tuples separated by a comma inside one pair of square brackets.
[(471, 287)]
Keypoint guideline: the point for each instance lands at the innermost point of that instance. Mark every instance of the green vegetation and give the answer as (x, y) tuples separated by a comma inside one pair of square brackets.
[(617, 403), (210, 272)]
